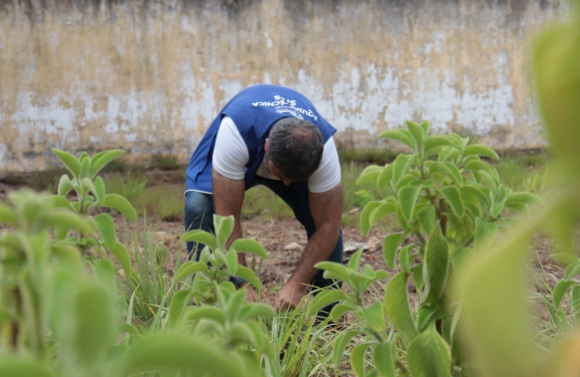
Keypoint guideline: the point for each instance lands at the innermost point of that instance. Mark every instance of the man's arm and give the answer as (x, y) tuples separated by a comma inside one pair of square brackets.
[(326, 210), (228, 196)]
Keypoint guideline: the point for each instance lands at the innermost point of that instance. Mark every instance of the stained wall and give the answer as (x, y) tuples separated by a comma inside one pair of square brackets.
[(149, 76)]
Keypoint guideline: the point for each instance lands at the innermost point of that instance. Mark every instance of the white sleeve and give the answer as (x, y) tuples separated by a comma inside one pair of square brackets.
[(327, 176), (230, 154)]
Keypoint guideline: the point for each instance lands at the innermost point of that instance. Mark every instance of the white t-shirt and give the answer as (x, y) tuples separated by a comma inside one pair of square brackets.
[(230, 157)]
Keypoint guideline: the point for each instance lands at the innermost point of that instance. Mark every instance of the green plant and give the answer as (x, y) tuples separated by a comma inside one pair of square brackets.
[(446, 201), (495, 319), (27, 256), (217, 262)]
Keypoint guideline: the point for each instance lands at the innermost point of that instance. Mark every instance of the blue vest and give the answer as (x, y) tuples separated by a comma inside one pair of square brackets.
[(254, 111)]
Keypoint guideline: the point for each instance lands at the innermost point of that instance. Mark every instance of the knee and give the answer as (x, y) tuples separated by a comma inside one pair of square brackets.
[(198, 209)]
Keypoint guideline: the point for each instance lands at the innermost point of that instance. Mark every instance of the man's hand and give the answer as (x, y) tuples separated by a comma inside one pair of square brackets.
[(289, 297)]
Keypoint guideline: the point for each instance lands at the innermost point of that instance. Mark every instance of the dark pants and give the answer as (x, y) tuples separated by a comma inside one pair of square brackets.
[(199, 211)]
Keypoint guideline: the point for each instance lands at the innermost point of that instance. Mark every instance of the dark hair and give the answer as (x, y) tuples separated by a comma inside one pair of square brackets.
[(295, 147)]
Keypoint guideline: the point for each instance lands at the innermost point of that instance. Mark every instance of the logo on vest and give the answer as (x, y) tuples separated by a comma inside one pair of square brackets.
[(284, 105)]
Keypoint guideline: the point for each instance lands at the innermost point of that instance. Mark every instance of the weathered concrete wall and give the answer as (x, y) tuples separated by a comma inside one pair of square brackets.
[(149, 76)]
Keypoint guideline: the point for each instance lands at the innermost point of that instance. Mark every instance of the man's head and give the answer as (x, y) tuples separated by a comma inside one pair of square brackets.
[(295, 148)]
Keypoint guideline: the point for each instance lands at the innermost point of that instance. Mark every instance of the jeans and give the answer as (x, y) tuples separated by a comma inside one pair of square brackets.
[(199, 211)]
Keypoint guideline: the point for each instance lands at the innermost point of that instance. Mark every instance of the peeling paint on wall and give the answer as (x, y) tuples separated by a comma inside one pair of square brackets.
[(149, 76)]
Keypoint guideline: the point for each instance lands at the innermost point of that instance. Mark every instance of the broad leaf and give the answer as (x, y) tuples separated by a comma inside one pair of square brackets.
[(122, 255), (8, 216), (189, 268), (201, 237), (429, 356), (560, 290), (175, 352), (484, 233), (101, 159), (427, 220), (383, 358), (369, 175), (99, 186), (106, 228), (390, 246), (418, 134), (382, 210), (223, 229), (480, 150), (407, 200), (340, 344), (22, 366), (433, 142), (121, 204), (565, 258), (245, 245), (453, 197), (64, 185), (70, 161), (437, 264), (365, 216), (333, 270), (397, 306), (375, 317), (399, 134), (249, 276), (357, 359), (325, 298), (401, 166), (385, 176)]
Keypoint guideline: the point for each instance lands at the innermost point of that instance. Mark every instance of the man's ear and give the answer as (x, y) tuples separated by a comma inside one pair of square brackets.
[(266, 145)]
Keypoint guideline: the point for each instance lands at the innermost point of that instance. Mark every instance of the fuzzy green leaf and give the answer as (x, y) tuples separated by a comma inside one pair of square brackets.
[(369, 175), (206, 312), (64, 185), (405, 258), (480, 150), (60, 202), (122, 255), (453, 196), (244, 245), (429, 356), (325, 298), (70, 161), (340, 344), (232, 262), (518, 199), (397, 306), (357, 359), (399, 134), (437, 264), (383, 358), (121, 204), (417, 133), (382, 210), (200, 236), (333, 270), (173, 352), (365, 215), (401, 166), (187, 269), (93, 325), (66, 219), (339, 310), (99, 187), (566, 258), (447, 169), (433, 142), (560, 291), (256, 310), (407, 200), (427, 220), (375, 317), (223, 229), (390, 246), (101, 159), (484, 233), (385, 176), (572, 271), (249, 276), (354, 262), (106, 228)]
